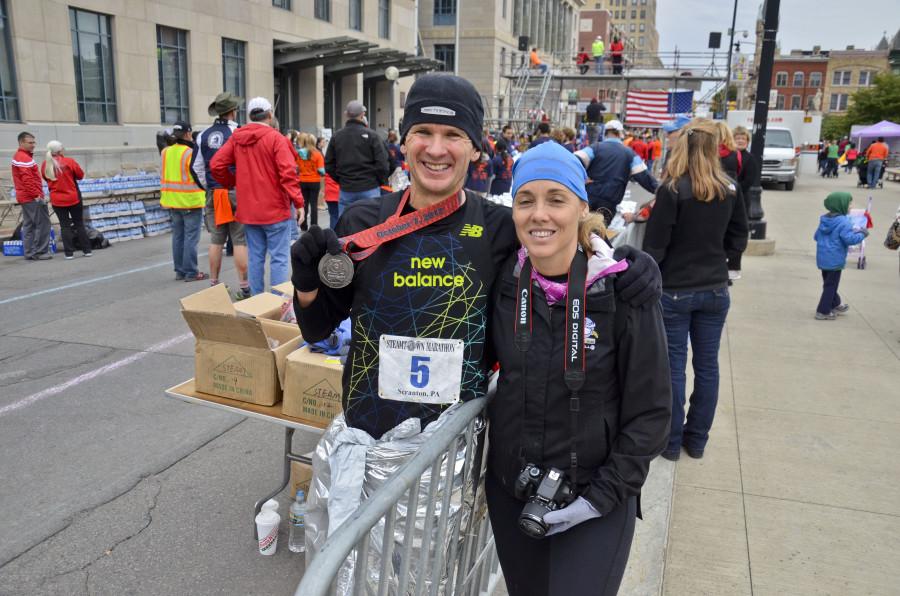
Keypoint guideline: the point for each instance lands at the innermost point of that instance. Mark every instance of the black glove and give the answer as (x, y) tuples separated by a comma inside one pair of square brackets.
[(306, 253), (641, 283)]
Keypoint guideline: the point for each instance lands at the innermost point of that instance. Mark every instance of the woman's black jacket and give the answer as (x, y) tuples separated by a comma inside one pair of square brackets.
[(625, 403)]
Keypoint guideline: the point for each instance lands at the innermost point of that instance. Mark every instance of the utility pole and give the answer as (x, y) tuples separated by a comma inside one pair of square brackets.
[(730, 49), (761, 116)]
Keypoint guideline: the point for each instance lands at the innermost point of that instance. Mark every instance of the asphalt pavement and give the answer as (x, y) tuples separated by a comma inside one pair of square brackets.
[(108, 486)]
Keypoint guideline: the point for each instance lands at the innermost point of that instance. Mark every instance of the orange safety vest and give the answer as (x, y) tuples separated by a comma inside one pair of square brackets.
[(177, 189)]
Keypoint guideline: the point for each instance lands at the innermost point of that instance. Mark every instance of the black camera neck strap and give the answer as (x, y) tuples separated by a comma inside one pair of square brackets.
[(574, 367)]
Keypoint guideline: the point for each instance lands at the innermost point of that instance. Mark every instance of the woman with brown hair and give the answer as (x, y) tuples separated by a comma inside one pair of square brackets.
[(698, 220)]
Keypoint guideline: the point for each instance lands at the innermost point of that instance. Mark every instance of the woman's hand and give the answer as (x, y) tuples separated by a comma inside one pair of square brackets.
[(579, 510), (641, 283)]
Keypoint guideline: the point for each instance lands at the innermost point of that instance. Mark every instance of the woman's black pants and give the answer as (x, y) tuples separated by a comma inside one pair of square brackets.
[(68, 216), (586, 560)]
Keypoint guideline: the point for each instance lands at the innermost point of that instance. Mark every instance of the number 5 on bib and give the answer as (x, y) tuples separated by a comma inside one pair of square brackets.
[(420, 369)]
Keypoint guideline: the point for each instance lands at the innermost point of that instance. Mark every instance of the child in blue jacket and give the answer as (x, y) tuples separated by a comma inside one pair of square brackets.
[(833, 237)]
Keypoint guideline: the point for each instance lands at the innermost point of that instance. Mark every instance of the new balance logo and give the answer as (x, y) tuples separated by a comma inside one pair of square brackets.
[(471, 230)]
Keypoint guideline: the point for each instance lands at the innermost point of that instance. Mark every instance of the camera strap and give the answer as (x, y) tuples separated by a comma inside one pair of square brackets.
[(574, 366)]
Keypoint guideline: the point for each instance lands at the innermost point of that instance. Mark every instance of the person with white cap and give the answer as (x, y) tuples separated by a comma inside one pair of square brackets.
[(357, 159), (610, 166), (259, 161), (597, 49)]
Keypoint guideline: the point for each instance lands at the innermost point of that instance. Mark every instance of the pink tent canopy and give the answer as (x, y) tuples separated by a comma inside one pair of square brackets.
[(882, 129)]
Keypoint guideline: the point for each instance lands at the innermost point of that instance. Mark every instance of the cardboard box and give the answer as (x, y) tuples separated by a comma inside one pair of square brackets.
[(237, 357), (261, 306), (301, 475), (286, 289), (312, 387)]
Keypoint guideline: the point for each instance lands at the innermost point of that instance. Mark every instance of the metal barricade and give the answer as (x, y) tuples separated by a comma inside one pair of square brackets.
[(468, 568)]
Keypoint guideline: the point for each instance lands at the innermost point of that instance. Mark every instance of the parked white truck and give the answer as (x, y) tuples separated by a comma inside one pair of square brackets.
[(788, 132)]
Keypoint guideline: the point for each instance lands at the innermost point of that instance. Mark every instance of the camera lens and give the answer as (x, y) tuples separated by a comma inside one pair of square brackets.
[(532, 527)]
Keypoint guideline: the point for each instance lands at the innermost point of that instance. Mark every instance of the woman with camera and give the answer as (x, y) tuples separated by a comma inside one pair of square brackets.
[(583, 399)]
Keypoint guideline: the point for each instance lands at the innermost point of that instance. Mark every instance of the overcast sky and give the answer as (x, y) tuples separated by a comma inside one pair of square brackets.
[(832, 24)]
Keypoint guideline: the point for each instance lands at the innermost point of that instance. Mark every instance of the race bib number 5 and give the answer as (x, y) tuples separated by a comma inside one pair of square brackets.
[(419, 369)]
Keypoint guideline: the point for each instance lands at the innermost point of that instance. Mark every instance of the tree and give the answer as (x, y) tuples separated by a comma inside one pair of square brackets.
[(879, 102), (835, 126)]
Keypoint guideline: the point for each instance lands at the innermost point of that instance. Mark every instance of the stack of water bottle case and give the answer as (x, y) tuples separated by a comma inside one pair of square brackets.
[(124, 220)]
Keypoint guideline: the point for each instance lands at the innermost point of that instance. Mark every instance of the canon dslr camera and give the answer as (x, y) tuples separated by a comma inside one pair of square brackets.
[(543, 492)]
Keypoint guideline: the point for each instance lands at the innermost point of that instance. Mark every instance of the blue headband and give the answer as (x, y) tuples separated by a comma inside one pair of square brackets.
[(550, 161)]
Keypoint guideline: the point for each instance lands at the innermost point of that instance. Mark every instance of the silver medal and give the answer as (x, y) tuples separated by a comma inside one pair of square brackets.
[(336, 271)]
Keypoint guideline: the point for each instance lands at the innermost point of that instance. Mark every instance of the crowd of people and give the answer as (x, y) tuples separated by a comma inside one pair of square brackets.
[(869, 162)]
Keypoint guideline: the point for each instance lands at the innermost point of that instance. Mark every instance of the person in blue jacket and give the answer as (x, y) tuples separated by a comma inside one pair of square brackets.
[(833, 237)]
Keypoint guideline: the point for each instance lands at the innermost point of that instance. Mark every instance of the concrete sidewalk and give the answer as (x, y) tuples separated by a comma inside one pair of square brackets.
[(799, 489)]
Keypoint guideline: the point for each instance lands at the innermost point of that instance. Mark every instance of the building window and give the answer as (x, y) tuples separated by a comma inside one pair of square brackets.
[(234, 77), (356, 13), (446, 53), (642, 27), (95, 82), (323, 10), (632, 28), (779, 102), (633, 14), (171, 54), (865, 78), (811, 102), (798, 79), (841, 78), (285, 4), (838, 102), (796, 101), (641, 41), (9, 99), (781, 79), (445, 12), (815, 79), (384, 18), (643, 13)]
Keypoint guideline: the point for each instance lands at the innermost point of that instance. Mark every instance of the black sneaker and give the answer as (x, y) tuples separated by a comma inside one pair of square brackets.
[(42, 257), (671, 455), (694, 453)]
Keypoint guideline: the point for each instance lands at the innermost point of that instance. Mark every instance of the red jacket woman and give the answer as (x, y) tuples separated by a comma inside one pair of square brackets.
[(62, 175), (63, 181)]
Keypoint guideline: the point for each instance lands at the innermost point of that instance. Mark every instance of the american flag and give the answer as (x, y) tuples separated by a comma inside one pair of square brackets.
[(654, 108)]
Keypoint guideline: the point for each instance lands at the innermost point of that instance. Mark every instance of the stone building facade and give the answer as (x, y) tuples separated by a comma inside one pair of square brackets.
[(489, 38), (848, 71), (140, 64)]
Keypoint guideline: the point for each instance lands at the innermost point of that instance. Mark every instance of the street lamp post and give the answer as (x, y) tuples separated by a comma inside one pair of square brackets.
[(728, 71), (392, 73), (761, 117)]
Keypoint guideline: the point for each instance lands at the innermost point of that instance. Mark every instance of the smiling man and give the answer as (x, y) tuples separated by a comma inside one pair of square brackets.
[(423, 266)]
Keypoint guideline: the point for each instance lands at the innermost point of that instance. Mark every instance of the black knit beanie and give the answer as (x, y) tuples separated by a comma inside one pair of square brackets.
[(444, 99)]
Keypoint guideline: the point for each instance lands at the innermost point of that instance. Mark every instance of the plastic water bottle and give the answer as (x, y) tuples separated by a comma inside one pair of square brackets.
[(297, 538)]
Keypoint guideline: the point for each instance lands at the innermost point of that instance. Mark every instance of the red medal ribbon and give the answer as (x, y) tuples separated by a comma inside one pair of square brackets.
[(397, 226)]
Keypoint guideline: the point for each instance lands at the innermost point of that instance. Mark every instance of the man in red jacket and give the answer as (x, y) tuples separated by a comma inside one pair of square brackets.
[(30, 195), (267, 183)]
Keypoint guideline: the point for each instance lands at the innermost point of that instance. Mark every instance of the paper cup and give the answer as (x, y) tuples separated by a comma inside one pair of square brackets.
[(267, 530)]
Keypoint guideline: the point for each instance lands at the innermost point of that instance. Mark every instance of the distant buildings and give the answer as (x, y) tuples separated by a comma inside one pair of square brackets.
[(824, 80)]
